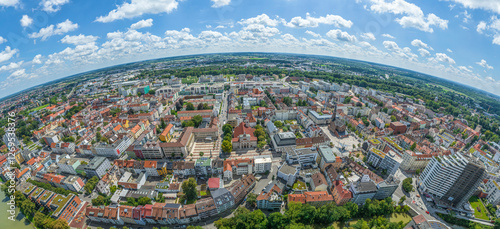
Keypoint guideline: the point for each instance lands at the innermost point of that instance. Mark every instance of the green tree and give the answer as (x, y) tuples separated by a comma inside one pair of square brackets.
[(227, 146), (408, 184), (189, 189), (197, 119), (252, 199), (278, 124), (189, 106)]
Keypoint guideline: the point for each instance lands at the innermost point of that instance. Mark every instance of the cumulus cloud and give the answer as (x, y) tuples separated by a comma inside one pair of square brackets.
[(79, 39), (312, 33), (442, 57), (413, 16), (8, 3), (26, 21), (463, 68), (37, 59), (2, 40), (484, 64), (11, 66), (340, 35), (424, 52), (142, 24), (388, 36), (138, 8), (368, 36), (449, 50), (220, 3), (335, 20), (262, 19), (51, 30), (52, 6), (420, 44), (481, 27), (7, 53), (490, 5)]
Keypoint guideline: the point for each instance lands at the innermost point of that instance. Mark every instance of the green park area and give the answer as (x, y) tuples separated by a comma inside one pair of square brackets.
[(479, 209)]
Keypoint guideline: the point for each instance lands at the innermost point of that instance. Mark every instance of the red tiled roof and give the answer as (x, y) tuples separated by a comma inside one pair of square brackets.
[(213, 183)]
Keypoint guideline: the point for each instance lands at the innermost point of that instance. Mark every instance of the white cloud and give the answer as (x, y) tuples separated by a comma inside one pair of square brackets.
[(368, 36), (388, 36), (220, 27), (212, 36), (444, 58), (496, 39), (8, 53), (262, 19), (142, 24), (2, 40), (312, 33), (463, 68), (335, 20), (137, 8), (289, 38), (484, 64), (11, 66), (481, 27), (491, 5), (413, 16), (424, 52), (255, 33), (79, 39), (391, 45), (37, 59), (420, 44), (52, 6), (8, 3), (449, 50), (26, 21), (340, 35), (61, 28), (220, 3)]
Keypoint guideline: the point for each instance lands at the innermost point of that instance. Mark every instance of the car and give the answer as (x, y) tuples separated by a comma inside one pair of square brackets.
[(427, 212)]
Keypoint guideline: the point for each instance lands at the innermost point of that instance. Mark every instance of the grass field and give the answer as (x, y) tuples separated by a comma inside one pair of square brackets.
[(394, 218), (482, 214), (38, 108), (299, 185)]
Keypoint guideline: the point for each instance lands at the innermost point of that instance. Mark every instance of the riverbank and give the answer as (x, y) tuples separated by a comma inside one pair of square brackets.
[(20, 223)]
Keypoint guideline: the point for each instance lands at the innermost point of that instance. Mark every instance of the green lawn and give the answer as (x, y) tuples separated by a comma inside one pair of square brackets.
[(394, 218), (299, 185), (475, 203), (38, 108)]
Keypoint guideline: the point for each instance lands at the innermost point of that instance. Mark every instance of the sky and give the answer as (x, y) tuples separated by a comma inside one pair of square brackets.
[(44, 40)]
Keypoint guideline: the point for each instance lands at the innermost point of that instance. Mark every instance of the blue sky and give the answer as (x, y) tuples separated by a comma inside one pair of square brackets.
[(45, 40)]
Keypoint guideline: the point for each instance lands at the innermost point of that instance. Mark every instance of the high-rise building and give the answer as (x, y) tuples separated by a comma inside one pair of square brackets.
[(452, 179)]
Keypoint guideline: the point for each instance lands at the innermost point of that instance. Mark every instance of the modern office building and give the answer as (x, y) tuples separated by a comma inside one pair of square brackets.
[(452, 179)]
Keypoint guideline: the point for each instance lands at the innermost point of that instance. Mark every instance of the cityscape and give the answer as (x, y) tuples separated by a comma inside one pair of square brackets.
[(262, 114)]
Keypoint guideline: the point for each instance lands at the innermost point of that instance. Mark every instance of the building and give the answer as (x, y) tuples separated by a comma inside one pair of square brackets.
[(288, 173), (389, 161), (363, 189), (203, 166), (223, 199), (340, 194), (68, 165), (399, 128), (270, 198), (304, 157), (237, 167), (320, 119), (318, 182), (285, 140), (113, 150), (166, 135), (206, 208), (262, 163), (452, 179), (316, 199), (327, 157), (98, 166), (386, 188), (243, 137), (132, 181), (213, 183), (74, 183), (493, 190)]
